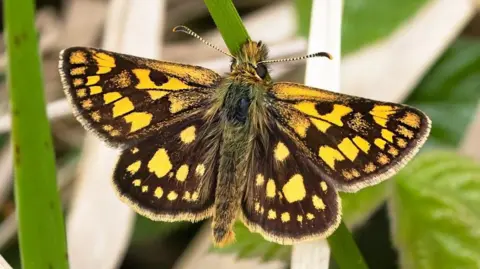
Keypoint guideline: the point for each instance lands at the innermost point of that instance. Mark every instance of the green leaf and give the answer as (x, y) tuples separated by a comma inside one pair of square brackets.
[(148, 230), (364, 21), (228, 23), (252, 245), (435, 212), (357, 207), (41, 230), (449, 93)]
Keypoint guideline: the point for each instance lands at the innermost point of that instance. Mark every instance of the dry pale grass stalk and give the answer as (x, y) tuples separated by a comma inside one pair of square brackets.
[(99, 225), (470, 145), (389, 69), (325, 33)]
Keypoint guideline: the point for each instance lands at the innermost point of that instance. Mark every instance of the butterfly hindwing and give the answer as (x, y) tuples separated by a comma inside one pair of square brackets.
[(172, 175), (124, 99), (286, 199), (355, 141)]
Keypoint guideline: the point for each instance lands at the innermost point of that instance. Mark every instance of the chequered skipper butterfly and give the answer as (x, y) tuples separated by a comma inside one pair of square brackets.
[(198, 145)]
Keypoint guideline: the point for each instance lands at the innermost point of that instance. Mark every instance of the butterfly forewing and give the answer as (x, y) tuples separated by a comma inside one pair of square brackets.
[(125, 98), (286, 198), (356, 142), (172, 175)]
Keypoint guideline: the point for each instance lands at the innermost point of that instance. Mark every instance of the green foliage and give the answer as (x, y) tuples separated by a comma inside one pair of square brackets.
[(449, 93), (249, 245), (436, 217), (364, 21), (148, 230), (41, 229), (228, 23)]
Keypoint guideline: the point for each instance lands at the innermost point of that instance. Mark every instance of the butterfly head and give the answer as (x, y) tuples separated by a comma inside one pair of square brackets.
[(248, 63)]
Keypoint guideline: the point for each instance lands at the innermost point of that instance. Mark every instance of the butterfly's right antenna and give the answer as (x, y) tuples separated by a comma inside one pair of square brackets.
[(187, 30)]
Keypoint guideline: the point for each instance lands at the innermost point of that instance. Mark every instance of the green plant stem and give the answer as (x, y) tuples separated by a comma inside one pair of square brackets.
[(344, 250), (228, 23), (41, 230)]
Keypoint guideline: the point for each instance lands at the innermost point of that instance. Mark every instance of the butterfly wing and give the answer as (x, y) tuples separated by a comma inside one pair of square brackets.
[(286, 198), (172, 176), (125, 99), (354, 141)]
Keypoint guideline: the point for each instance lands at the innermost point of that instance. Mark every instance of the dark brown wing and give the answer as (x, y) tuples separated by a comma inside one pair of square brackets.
[(125, 99), (356, 142), (172, 176)]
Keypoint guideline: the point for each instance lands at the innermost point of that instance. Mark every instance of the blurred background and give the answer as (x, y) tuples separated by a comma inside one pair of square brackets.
[(425, 53)]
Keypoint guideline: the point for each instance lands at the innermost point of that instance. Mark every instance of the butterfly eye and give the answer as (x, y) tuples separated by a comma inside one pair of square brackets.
[(261, 70)]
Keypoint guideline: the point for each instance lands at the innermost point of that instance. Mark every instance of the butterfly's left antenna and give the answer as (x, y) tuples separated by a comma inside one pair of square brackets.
[(313, 55), (187, 30)]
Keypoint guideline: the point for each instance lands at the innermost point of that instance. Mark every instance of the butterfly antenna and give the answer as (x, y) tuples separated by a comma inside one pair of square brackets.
[(313, 55), (187, 30)]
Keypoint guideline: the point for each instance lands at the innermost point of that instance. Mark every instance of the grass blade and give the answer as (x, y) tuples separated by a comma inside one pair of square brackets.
[(41, 228)]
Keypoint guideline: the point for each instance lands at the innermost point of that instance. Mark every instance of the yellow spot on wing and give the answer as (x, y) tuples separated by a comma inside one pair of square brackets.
[(299, 218), (387, 135), (77, 82), (96, 116), (111, 96), (182, 173), (271, 188), (318, 202), (310, 216), (381, 113), (329, 155), (294, 189), (296, 92), (195, 196), (172, 195), (337, 113), (103, 70), (380, 143), (272, 214), (82, 92), (144, 188), (404, 132), (281, 152), (200, 170), (104, 59), (107, 127), (146, 83), (138, 120), (285, 217), (78, 71), (257, 206), (188, 135), (87, 104), (158, 192), (95, 90), (160, 163), (324, 186), (411, 119), (363, 144), (300, 125), (383, 159), (187, 196), (321, 125), (259, 180), (134, 150), (137, 182), (348, 148), (401, 143), (122, 106), (133, 168), (157, 94), (307, 108), (78, 57), (176, 104), (121, 80), (92, 80), (370, 167)]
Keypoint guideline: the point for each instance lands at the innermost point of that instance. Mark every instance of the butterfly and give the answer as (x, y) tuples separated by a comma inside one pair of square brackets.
[(197, 145)]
